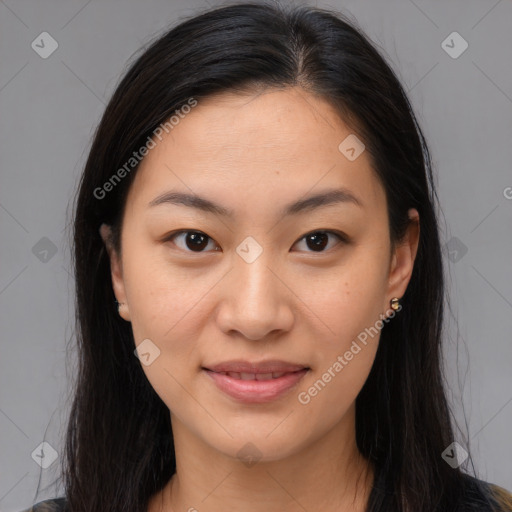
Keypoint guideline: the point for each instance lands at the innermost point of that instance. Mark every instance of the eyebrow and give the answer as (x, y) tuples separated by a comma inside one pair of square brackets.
[(319, 200)]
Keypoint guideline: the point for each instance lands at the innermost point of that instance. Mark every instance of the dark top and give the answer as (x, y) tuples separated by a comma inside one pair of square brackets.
[(53, 505), (491, 493)]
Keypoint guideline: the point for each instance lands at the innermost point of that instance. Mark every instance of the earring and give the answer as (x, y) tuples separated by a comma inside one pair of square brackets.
[(119, 304), (395, 303)]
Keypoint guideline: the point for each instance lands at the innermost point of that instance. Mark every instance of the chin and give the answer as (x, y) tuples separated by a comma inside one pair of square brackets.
[(251, 446)]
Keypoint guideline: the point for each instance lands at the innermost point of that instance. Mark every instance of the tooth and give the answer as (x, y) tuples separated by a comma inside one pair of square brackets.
[(276, 375), (234, 375), (263, 376), (247, 376)]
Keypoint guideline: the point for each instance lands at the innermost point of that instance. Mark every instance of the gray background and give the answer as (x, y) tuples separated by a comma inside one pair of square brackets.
[(50, 107)]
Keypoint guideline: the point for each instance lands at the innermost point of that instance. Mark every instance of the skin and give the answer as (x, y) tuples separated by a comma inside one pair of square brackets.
[(255, 153)]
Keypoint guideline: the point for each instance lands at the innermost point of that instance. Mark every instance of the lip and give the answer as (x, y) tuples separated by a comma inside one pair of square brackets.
[(256, 382), (269, 366)]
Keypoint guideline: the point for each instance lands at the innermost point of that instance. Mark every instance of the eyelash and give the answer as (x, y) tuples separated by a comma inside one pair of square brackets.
[(338, 234)]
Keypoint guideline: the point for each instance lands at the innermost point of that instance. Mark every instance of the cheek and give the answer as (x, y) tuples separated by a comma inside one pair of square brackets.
[(346, 301), (331, 392), (350, 319), (171, 306), (159, 293), (164, 307)]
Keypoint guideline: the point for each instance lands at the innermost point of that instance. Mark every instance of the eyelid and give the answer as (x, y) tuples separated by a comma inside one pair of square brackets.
[(170, 236), (339, 234), (342, 237)]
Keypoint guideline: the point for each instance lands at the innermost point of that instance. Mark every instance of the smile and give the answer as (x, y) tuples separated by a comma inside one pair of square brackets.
[(253, 376), (253, 388)]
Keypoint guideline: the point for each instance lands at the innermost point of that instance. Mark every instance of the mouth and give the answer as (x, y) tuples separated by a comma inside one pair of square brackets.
[(256, 382), (254, 376)]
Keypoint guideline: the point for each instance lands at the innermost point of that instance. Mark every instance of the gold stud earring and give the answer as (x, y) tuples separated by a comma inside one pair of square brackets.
[(395, 303)]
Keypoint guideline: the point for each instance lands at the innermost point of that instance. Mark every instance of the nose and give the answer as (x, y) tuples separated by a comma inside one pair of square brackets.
[(255, 300)]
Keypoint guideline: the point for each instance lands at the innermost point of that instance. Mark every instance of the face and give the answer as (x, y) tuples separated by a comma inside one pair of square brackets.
[(254, 280)]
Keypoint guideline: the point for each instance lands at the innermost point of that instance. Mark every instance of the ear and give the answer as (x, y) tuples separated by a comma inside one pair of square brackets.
[(116, 270), (402, 261)]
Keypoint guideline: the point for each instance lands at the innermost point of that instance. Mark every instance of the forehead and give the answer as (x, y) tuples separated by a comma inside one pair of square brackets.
[(239, 147)]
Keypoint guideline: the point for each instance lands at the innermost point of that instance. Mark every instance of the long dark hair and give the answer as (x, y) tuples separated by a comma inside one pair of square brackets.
[(119, 444)]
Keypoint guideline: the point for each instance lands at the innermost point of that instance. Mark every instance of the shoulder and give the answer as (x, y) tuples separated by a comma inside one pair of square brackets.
[(478, 496), (481, 495), (502, 497), (51, 505)]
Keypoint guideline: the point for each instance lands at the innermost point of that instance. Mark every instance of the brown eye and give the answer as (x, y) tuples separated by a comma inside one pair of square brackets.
[(317, 241), (198, 242), (191, 241)]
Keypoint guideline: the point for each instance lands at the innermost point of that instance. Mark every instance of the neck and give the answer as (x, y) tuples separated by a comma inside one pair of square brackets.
[(328, 474)]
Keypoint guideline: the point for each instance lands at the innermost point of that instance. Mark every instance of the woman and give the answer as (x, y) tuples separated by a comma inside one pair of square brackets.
[(259, 283)]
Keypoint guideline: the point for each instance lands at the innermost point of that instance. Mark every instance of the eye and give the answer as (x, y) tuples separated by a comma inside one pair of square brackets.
[(318, 240), (197, 241), (194, 241)]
